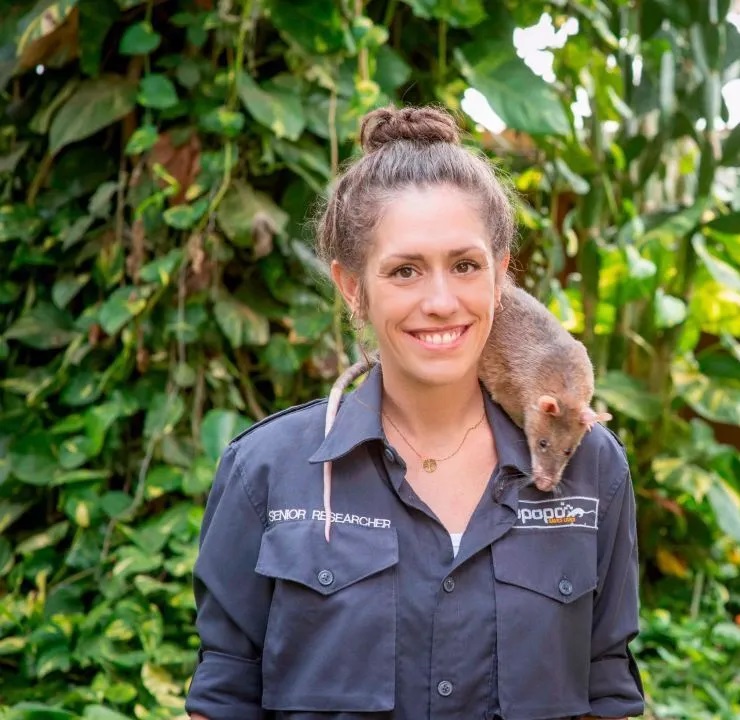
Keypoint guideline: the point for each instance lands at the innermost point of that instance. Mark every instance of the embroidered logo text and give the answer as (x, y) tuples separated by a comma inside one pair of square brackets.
[(574, 511)]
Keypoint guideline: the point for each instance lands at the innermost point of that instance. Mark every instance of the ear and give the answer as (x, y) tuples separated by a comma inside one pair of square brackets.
[(548, 404), (589, 418), (348, 284)]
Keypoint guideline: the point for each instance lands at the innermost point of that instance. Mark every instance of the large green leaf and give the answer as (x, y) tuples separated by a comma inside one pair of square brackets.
[(714, 399), (628, 396), (160, 684), (44, 19), (123, 305), (100, 712), (669, 311), (32, 458), (165, 411), (721, 271), (729, 223), (39, 711), (223, 121), (41, 121), (157, 91), (315, 24), (48, 537), (139, 39), (66, 287), (199, 477), (19, 222), (241, 324), (161, 269), (391, 69), (9, 162), (43, 327), (458, 13), (281, 355), (277, 104), (671, 226), (725, 501), (520, 98), (142, 139), (218, 429), (94, 105), (239, 209), (10, 512), (183, 217)]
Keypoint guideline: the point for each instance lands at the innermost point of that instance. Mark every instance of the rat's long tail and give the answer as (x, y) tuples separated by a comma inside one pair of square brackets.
[(332, 406)]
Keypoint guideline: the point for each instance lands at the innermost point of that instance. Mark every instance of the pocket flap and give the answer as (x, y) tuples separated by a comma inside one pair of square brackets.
[(298, 551), (561, 568)]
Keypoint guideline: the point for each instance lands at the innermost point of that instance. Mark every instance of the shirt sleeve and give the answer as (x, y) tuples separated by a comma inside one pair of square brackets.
[(615, 688), (232, 603)]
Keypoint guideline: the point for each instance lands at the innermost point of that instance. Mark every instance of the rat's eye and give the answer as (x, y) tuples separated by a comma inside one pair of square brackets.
[(567, 451), (543, 443)]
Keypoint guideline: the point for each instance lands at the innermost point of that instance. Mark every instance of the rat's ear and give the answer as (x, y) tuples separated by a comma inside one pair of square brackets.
[(589, 418), (548, 405)]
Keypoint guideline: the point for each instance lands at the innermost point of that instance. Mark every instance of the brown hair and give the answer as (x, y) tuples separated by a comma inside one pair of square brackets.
[(408, 147)]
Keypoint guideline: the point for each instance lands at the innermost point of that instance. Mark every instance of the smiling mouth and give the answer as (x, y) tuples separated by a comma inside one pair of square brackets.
[(446, 337)]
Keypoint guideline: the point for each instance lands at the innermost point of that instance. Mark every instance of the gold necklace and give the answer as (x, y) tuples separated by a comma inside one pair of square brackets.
[(428, 463)]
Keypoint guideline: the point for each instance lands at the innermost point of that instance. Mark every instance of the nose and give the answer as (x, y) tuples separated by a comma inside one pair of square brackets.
[(439, 296)]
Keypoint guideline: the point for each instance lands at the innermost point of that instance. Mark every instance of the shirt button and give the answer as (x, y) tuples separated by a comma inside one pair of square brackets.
[(449, 584), (444, 688), (326, 577), (565, 587), (389, 456)]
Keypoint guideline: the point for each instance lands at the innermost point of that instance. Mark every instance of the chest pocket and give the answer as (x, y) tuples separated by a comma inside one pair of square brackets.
[(544, 585), (331, 634)]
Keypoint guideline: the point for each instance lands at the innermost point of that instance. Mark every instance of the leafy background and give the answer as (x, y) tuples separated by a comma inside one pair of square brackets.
[(158, 291)]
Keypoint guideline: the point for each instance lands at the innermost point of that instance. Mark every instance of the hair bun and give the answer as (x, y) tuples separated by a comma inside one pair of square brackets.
[(420, 124)]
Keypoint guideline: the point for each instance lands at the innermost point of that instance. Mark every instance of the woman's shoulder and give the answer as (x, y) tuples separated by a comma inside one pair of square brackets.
[(602, 440), (286, 428), (273, 454), (602, 456)]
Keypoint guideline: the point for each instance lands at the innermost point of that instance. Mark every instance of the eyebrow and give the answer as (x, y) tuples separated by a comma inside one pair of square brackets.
[(418, 257)]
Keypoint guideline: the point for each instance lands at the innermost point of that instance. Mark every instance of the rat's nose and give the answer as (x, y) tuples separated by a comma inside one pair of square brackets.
[(544, 483)]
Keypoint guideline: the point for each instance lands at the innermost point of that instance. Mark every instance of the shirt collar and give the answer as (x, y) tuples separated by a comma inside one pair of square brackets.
[(358, 421)]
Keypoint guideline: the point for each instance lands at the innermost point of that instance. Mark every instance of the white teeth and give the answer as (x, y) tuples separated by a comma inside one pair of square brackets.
[(440, 338)]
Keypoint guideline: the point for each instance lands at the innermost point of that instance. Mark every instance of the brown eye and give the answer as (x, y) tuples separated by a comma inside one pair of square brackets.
[(466, 267), (405, 273), (543, 443), (567, 451)]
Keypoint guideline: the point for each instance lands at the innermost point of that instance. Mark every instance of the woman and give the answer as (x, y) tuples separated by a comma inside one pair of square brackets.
[(444, 591)]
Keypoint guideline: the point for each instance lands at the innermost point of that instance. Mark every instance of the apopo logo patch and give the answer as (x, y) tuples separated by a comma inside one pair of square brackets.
[(574, 511)]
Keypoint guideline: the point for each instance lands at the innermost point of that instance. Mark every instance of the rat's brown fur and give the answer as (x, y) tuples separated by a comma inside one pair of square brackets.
[(529, 353), (543, 378)]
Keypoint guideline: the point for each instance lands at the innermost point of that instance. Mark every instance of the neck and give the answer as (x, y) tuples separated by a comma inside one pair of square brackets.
[(434, 413)]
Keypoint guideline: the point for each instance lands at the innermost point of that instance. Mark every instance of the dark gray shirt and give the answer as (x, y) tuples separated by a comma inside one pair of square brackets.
[(530, 620)]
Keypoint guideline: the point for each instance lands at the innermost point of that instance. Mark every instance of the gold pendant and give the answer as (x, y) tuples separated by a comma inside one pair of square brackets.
[(429, 464)]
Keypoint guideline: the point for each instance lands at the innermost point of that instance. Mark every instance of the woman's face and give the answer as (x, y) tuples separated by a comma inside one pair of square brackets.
[(430, 286)]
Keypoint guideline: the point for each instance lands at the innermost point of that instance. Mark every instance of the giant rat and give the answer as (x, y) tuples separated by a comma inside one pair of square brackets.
[(539, 374)]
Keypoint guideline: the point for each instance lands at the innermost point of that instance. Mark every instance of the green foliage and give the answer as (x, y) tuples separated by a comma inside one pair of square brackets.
[(159, 295)]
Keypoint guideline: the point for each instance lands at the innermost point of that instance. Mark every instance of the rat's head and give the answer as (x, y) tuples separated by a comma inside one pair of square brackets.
[(554, 430)]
